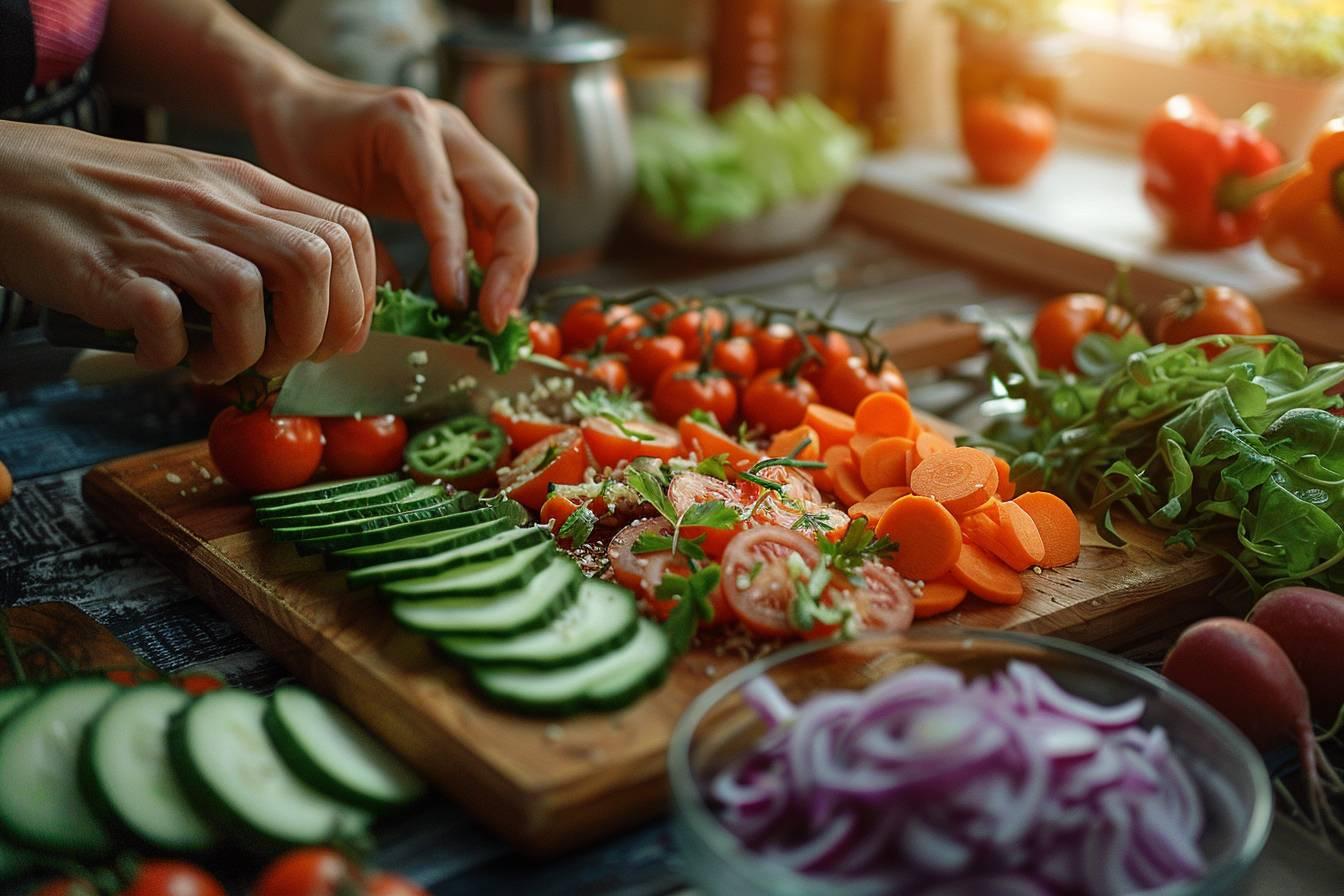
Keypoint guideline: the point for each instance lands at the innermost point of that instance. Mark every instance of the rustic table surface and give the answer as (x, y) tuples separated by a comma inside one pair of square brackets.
[(53, 548)]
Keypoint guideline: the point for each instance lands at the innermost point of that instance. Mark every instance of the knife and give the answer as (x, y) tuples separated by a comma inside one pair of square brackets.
[(412, 376)]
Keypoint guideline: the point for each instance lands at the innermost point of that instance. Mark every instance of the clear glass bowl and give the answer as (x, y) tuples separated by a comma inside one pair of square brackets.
[(719, 726)]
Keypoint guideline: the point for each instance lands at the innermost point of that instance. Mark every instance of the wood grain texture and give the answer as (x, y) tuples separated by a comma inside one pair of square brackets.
[(544, 786), (66, 631)]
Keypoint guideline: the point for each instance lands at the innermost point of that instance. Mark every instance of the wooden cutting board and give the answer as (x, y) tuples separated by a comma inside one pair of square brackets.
[(66, 631), (546, 786)]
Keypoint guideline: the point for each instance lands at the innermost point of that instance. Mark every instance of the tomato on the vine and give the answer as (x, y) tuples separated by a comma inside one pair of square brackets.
[(545, 338), (695, 325), (651, 356), (844, 385), (744, 328), (582, 324), (774, 403), (610, 372), (832, 349), (776, 346), (157, 877), (684, 387), (611, 443), (623, 328), (260, 453), (736, 358), (1208, 311), (363, 446), (1064, 321)]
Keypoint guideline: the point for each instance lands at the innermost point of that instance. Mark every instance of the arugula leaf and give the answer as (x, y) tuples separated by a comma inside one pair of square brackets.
[(407, 313), (715, 466), (579, 527), (710, 515), (651, 490), (693, 606)]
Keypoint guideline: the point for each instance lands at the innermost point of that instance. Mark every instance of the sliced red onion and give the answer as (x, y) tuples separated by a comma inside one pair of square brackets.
[(934, 850), (1052, 695), (823, 849), (764, 696), (997, 884)]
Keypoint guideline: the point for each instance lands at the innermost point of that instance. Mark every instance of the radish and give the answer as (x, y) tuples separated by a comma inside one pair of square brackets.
[(1308, 624), (1241, 672)]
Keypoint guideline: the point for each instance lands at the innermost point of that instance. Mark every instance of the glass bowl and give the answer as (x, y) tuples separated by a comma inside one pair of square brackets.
[(719, 726)]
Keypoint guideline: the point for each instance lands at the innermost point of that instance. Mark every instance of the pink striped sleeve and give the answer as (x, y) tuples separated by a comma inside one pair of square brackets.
[(65, 33)]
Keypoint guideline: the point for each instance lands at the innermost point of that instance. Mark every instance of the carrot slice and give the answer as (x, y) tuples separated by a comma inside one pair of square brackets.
[(981, 529), (986, 576), (784, 444), (1057, 524), (847, 484), (883, 463), (1006, 487), (859, 444), (876, 504), (911, 461), (1020, 544), (990, 505), (832, 457), (889, 494), (883, 414), (832, 427), (960, 479), (927, 537), (939, 597), (930, 443)]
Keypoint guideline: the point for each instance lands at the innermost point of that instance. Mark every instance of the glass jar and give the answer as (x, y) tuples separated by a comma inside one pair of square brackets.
[(861, 58), (1034, 66), (747, 51)]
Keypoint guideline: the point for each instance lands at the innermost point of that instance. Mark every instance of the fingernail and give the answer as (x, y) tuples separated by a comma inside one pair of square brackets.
[(461, 287)]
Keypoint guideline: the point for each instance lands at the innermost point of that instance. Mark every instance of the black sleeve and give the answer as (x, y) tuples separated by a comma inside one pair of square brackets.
[(18, 56)]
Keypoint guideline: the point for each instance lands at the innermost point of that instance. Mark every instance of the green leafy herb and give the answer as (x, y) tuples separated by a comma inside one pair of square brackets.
[(547, 457), (652, 543), (693, 606), (603, 403), (579, 527), (647, 486), (716, 466), (859, 545), (709, 515), (705, 418)]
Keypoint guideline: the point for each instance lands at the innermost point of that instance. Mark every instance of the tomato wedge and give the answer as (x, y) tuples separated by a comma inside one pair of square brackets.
[(757, 579), (642, 573), (883, 603), (524, 432), (558, 459), (687, 489), (706, 441), (629, 567), (610, 445)]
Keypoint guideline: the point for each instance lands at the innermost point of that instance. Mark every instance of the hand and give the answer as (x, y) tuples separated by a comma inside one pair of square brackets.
[(395, 153), (109, 230)]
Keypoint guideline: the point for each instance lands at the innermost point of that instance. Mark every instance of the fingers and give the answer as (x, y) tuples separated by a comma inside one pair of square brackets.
[(155, 314), (506, 278), (347, 300), (230, 288)]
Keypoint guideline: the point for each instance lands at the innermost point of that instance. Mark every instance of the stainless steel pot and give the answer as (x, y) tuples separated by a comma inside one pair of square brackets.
[(551, 97)]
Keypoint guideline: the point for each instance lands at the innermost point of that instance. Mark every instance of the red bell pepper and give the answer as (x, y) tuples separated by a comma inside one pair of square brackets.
[(1207, 178)]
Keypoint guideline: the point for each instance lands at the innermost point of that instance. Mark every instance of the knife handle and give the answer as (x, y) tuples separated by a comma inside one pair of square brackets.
[(68, 331)]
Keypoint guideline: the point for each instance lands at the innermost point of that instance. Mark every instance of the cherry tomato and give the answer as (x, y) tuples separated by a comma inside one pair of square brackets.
[(650, 357), (545, 338), (364, 446), (660, 310), (1208, 311), (623, 326), (706, 441), (832, 349), (884, 602), (559, 459), (166, 878), (1006, 139), (688, 489), (610, 372), (696, 325), (582, 325), (642, 573), (610, 445), (774, 404), (776, 346), (1064, 321), (315, 871), (744, 328), (260, 453), (757, 580), (197, 683), (844, 385), (736, 358), (683, 388), (524, 432), (800, 495)]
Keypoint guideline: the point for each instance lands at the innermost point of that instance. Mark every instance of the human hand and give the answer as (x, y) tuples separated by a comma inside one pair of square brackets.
[(395, 153), (108, 231)]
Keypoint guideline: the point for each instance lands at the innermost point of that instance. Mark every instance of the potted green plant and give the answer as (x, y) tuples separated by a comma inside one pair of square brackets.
[(1010, 46)]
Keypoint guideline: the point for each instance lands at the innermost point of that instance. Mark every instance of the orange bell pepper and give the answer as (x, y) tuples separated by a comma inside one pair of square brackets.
[(1305, 224)]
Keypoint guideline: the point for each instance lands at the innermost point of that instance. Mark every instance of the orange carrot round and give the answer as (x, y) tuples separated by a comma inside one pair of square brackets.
[(1019, 543), (984, 575), (847, 484), (889, 494), (930, 443), (831, 426), (939, 597), (1006, 487), (883, 463), (960, 479), (927, 537), (884, 414), (1057, 524), (876, 504), (859, 444), (830, 457), (783, 444)]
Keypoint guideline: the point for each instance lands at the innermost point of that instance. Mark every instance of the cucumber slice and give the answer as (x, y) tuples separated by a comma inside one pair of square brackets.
[(476, 579), (533, 605), (378, 494), (416, 545), (41, 806), (14, 697), (14, 860), (128, 778), (601, 619), (334, 754), (396, 531), (500, 545), (608, 681), (319, 490), (233, 773), (403, 494), (390, 517)]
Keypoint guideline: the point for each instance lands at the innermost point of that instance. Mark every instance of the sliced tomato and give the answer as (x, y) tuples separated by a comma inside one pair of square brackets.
[(610, 445), (883, 603), (706, 441), (660, 608), (524, 432), (687, 489), (642, 573), (757, 579), (558, 459)]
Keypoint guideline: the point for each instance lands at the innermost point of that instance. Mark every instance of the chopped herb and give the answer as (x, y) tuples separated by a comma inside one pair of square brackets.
[(647, 486), (743, 432), (579, 527), (601, 402), (716, 466), (817, 523), (652, 543), (859, 545), (705, 418), (693, 606), (709, 515), (551, 453)]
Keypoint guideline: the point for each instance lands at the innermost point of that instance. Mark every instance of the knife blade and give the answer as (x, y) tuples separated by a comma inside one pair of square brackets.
[(410, 376)]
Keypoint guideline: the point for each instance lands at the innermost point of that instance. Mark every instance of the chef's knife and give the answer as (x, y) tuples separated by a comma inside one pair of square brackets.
[(408, 375)]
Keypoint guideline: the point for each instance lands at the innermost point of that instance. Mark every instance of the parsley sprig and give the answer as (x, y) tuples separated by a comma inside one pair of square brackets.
[(618, 408)]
